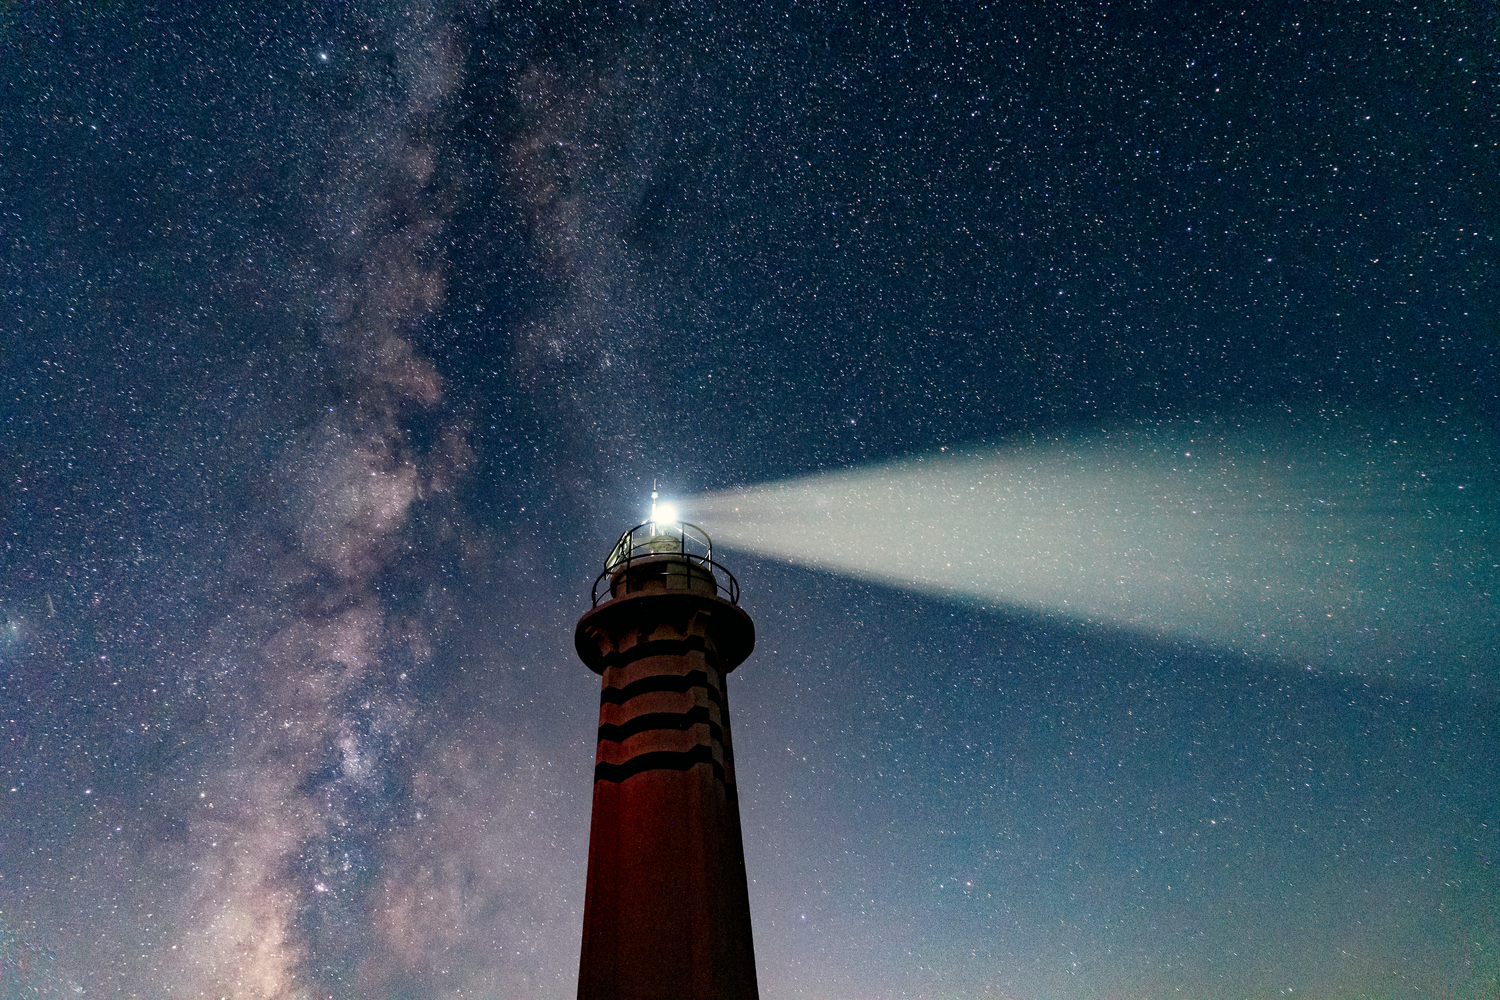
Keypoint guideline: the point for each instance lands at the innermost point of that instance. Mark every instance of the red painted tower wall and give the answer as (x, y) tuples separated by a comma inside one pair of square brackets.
[(667, 912)]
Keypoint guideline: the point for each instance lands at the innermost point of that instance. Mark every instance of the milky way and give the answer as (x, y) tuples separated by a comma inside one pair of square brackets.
[(307, 681), (283, 854)]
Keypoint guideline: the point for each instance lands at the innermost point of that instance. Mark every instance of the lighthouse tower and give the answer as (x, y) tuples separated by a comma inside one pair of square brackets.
[(667, 912)]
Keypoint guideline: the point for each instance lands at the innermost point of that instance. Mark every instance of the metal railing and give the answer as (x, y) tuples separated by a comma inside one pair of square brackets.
[(651, 539)]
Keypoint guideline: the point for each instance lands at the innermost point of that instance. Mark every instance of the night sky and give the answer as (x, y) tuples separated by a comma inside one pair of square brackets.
[(339, 341)]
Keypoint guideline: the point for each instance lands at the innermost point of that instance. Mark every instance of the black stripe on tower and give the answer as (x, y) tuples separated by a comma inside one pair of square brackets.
[(662, 682), (678, 721), (660, 760), (653, 647)]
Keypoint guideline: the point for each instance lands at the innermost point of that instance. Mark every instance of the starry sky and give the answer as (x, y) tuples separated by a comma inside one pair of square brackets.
[(341, 340)]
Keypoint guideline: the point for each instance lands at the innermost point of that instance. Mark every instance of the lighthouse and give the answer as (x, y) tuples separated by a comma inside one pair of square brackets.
[(666, 915)]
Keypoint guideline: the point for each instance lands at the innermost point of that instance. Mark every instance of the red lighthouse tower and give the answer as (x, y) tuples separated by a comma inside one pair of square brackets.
[(667, 912)]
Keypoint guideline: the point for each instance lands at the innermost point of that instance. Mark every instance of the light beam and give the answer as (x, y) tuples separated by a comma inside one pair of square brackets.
[(1352, 549)]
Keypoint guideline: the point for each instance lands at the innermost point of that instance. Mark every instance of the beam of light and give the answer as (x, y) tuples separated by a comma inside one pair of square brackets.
[(1360, 550)]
